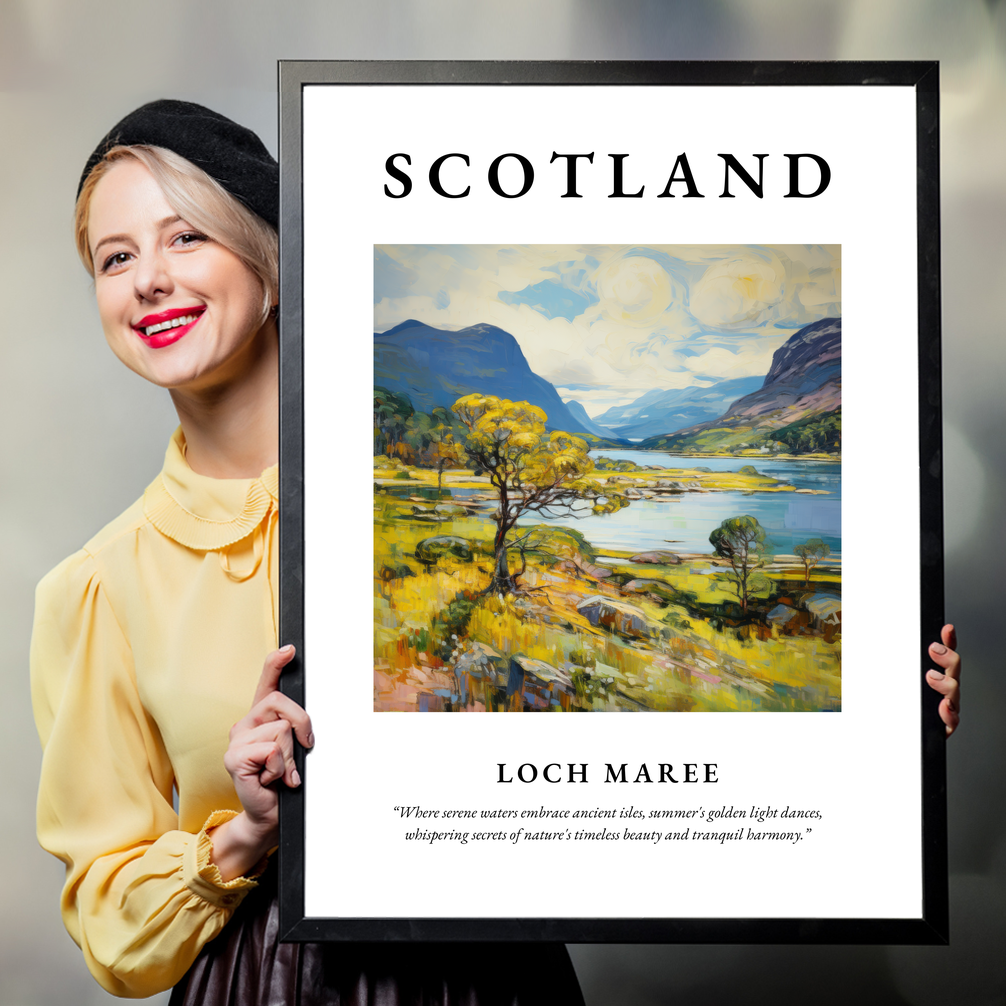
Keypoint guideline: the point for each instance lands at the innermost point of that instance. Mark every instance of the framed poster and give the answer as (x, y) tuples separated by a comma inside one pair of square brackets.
[(565, 348)]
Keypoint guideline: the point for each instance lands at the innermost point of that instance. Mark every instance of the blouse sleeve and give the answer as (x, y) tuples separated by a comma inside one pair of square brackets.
[(141, 898)]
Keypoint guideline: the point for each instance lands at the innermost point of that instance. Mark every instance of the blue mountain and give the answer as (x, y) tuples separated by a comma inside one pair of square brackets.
[(434, 367), (580, 415), (660, 411)]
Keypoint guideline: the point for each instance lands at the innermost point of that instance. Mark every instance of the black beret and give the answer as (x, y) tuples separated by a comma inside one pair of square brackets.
[(231, 154)]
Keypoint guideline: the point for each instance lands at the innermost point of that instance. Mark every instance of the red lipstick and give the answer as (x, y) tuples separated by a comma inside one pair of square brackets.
[(166, 327)]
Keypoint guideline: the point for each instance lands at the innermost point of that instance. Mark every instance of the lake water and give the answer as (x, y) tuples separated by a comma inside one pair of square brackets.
[(685, 525)]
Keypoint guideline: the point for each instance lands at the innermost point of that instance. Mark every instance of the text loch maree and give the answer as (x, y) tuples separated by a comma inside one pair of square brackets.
[(682, 772)]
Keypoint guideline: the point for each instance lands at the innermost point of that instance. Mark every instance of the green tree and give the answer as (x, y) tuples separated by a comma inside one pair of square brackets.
[(532, 471), (815, 434), (812, 551), (392, 413), (743, 542), (434, 438)]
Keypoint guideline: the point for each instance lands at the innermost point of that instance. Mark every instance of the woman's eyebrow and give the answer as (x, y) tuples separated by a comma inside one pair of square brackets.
[(109, 240), (160, 225)]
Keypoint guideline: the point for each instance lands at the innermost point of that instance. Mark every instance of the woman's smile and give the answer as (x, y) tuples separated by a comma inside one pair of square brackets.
[(167, 327)]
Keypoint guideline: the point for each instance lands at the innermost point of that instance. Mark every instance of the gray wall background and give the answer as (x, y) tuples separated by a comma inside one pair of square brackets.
[(82, 436)]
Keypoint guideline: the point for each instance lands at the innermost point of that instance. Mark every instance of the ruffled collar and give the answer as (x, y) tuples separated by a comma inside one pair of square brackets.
[(203, 513)]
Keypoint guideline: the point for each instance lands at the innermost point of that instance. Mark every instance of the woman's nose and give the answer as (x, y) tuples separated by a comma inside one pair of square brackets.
[(152, 277)]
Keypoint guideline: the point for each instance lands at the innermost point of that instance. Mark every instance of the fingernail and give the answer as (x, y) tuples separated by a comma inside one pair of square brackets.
[(287, 649), (937, 675), (938, 648), (310, 740), (295, 777)]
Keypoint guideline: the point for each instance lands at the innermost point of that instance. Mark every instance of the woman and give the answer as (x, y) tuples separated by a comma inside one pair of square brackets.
[(149, 642)]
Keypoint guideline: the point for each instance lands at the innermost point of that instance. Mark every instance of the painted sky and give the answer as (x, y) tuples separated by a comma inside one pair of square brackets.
[(605, 323)]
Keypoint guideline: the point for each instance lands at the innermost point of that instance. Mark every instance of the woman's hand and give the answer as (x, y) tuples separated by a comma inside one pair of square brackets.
[(947, 682), (260, 753)]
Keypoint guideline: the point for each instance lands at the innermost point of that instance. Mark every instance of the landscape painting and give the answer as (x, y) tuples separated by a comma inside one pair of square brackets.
[(607, 478)]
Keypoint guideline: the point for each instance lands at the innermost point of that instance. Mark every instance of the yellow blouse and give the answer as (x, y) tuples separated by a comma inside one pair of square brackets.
[(147, 647)]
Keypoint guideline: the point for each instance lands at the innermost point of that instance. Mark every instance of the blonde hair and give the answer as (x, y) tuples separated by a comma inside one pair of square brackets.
[(199, 200)]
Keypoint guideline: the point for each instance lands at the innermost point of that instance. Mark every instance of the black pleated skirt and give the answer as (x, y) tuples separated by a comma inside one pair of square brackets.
[(246, 965)]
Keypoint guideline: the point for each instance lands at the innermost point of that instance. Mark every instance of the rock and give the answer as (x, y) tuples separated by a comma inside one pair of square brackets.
[(793, 621), (825, 607), (633, 494), (657, 556), (389, 573), (585, 566), (825, 611), (420, 509), (450, 510), (656, 587), (481, 676), (539, 685), (614, 615), (782, 614), (429, 550), (615, 479), (482, 662)]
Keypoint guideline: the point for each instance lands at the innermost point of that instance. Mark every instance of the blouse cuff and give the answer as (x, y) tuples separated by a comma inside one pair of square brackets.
[(202, 876)]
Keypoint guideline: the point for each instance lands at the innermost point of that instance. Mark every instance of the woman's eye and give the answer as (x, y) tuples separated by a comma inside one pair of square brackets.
[(114, 261), (190, 238)]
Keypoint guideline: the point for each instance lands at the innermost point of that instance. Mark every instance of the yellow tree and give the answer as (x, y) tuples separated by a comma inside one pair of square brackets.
[(533, 471)]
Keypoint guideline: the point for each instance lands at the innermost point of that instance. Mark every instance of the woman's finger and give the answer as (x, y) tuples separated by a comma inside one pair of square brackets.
[(949, 636), (944, 684), (277, 706), (261, 760), (950, 716), (274, 764), (271, 671), (278, 732), (947, 681), (949, 687), (948, 659)]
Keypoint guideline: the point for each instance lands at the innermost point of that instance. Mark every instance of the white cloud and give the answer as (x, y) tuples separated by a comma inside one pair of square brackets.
[(597, 400), (634, 290), (654, 317), (724, 364), (740, 292)]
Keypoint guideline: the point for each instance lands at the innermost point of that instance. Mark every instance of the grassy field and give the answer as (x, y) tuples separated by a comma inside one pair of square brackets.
[(589, 629)]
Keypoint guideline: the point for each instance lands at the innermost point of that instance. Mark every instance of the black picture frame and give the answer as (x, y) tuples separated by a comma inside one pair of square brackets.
[(931, 927)]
